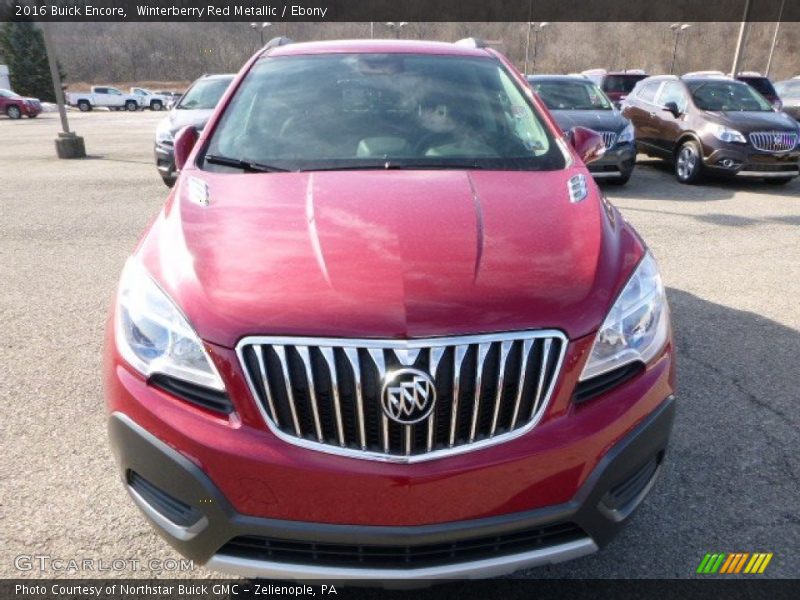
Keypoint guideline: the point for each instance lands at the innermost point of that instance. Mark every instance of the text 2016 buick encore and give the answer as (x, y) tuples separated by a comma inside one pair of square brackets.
[(386, 326)]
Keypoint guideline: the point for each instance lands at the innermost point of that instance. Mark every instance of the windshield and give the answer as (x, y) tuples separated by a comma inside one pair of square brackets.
[(8, 94), (205, 94), (727, 96), (339, 111), (571, 95)]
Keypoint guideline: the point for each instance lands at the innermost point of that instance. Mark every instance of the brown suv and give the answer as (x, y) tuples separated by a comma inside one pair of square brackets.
[(713, 124)]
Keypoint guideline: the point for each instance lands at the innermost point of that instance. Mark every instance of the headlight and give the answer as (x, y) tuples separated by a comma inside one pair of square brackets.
[(163, 133), (727, 135), (637, 326), (626, 135), (154, 337)]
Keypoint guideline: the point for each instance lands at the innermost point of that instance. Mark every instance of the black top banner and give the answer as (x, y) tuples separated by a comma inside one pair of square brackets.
[(399, 10)]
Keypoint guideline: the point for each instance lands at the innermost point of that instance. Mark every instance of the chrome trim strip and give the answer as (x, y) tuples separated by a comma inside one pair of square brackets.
[(477, 569), (262, 367), (330, 358), (505, 350), (542, 371), (305, 356), (523, 366), (380, 362), (374, 348), (179, 532), (483, 351), (280, 350), (605, 174), (435, 359), (355, 363), (458, 361), (768, 173)]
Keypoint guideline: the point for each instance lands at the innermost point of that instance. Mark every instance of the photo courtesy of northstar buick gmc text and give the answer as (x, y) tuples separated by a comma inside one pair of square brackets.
[(387, 326)]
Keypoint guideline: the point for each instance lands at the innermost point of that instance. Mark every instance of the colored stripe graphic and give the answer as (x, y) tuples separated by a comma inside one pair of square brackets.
[(735, 562)]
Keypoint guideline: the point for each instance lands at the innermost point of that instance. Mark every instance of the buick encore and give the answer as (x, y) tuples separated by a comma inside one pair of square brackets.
[(386, 327)]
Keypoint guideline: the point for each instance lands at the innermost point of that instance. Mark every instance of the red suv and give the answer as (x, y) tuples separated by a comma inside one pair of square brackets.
[(15, 106), (386, 326)]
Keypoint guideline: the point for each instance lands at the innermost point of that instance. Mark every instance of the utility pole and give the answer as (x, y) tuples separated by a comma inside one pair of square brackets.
[(537, 27), (68, 144), (678, 29), (737, 57), (774, 39)]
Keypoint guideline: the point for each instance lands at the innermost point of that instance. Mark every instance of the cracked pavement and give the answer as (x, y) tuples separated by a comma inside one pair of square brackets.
[(729, 253)]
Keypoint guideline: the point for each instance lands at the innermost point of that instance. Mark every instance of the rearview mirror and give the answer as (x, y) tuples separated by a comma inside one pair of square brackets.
[(587, 143), (185, 140), (673, 108)]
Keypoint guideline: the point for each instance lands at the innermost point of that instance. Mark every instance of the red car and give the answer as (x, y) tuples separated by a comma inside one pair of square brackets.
[(15, 106), (386, 326)]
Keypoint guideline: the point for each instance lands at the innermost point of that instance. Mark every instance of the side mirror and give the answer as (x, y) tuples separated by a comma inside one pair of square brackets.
[(672, 107), (587, 143), (185, 140)]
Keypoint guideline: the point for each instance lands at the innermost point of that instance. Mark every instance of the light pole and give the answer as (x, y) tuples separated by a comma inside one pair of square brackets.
[(260, 29), (774, 39), (677, 29), (396, 27), (737, 56), (537, 27)]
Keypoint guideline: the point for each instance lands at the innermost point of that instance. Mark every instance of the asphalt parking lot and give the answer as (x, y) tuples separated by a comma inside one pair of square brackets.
[(729, 252)]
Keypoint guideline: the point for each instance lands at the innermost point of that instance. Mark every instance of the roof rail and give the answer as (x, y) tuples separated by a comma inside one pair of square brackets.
[(472, 42), (749, 74), (276, 42)]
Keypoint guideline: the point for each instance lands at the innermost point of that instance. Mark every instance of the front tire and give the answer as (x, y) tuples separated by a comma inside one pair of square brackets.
[(84, 106), (156, 105), (168, 180), (130, 105), (13, 112), (689, 162), (33, 116)]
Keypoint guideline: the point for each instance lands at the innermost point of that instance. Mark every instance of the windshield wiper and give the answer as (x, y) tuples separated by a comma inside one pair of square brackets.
[(244, 165), (390, 165)]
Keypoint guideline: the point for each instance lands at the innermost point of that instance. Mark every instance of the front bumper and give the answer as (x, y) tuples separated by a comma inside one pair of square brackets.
[(617, 162), (596, 513), (751, 163)]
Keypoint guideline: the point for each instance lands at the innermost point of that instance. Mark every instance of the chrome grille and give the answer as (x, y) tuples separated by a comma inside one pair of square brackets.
[(609, 138), (326, 394), (774, 141)]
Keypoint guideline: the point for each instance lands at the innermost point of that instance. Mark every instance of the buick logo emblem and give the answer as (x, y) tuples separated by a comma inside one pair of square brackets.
[(408, 396), (778, 139)]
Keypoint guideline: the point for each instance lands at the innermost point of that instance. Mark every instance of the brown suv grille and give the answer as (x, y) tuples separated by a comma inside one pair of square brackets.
[(328, 394), (774, 141)]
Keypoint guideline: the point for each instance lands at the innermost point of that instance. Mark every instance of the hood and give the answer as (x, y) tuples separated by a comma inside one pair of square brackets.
[(180, 118), (390, 254), (599, 120), (748, 121)]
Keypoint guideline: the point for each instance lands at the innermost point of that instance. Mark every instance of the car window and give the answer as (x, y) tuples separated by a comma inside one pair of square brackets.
[(7, 94), (100, 90), (727, 96), (114, 92), (571, 95), (761, 84), (205, 94), (362, 110), (647, 92), (673, 92), (621, 83)]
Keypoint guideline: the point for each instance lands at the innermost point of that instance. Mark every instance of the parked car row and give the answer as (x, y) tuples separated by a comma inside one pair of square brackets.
[(112, 98), (704, 122)]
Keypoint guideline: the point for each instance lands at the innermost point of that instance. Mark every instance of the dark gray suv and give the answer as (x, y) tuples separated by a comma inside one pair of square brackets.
[(573, 101)]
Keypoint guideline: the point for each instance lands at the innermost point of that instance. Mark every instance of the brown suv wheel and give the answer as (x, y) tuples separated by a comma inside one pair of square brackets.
[(689, 162)]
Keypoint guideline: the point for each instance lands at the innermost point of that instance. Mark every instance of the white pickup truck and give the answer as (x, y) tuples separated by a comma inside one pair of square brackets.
[(105, 96), (147, 99)]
